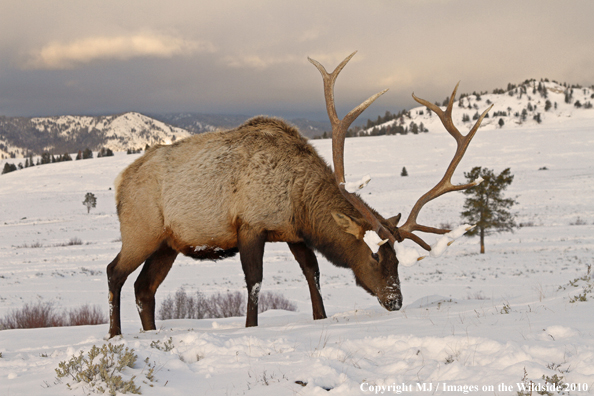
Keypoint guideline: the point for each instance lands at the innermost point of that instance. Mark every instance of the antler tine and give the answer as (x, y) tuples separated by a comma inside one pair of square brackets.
[(339, 130), (329, 80), (340, 127), (445, 184), (446, 118)]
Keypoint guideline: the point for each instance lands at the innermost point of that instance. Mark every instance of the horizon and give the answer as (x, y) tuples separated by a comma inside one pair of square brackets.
[(314, 117)]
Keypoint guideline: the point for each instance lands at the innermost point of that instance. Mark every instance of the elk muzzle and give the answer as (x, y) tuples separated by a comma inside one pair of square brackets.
[(391, 298)]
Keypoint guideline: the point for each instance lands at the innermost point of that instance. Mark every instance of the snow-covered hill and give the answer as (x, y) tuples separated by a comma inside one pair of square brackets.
[(73, 133), (470, 323), (525, 105)]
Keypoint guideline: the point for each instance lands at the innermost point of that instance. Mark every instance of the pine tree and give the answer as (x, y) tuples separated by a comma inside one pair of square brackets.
[(90, 201), (9, 168), (485, 205), (404, 172)]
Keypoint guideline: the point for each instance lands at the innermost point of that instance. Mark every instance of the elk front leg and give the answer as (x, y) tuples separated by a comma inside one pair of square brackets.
[(153, 273), (309, 265), (250, 243)]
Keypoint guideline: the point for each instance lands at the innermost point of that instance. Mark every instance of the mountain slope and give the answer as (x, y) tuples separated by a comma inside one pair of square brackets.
[(518, 106), (73, 133), (199, 123)]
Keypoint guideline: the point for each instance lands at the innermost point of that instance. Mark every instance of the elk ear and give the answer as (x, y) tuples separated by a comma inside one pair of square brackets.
[(349, 224), (393, 221)]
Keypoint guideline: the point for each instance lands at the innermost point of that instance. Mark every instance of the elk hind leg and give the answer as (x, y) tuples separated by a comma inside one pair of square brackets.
[(251, 252), (154, 271), (309, 265), (118, 270)]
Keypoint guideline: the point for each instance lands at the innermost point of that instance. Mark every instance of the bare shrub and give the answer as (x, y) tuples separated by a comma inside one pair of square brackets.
[(476, 296), (86, 315), (44, 314), (33, 316), (274, 301), (27, 246), (578, 221), (526, 224), (182, 305), (71, 242), (226, 305)]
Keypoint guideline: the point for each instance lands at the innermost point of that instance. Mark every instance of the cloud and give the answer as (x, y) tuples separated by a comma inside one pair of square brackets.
[(57, 55), (260, 62)]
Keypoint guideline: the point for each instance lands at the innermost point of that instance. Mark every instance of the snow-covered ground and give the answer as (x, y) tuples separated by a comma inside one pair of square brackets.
[(470, 323)]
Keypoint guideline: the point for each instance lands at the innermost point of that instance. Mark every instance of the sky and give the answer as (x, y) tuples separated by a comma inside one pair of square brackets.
[(94, 57)]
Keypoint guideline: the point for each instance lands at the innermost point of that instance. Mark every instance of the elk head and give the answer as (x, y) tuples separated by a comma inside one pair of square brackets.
[(376, 269)]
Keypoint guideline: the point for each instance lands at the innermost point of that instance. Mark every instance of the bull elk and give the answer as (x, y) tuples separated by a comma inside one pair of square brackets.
[(213, 195)]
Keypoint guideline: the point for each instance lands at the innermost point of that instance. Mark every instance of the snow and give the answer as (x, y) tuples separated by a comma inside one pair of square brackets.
[(122, 131), (446, 240), (523, 97), (372, 240), (358, 185), (468, 320), (407, 256)]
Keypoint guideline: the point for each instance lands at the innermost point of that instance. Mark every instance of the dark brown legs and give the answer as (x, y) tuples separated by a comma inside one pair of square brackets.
[(159, 260), (115, 281), (117, 273), (154, 271), (309, 264), (251, 252)]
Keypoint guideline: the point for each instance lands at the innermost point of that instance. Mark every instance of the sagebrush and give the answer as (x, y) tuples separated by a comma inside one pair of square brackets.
[(99, 371)]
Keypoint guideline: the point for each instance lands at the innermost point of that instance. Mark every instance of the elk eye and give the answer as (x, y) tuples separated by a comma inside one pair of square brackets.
[(375, 257)]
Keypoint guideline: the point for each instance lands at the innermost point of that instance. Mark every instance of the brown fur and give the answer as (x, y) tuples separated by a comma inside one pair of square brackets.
[(211, 195)]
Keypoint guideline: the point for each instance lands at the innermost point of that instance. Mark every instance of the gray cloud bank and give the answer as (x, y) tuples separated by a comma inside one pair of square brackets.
[(92, 57)]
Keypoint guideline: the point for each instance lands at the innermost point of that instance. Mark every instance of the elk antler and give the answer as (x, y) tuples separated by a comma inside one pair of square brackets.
[(445, 184), (339, 130)]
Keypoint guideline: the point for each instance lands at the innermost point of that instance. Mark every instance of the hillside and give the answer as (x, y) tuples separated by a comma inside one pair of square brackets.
[(469, 321), (525, 105), (199, 123), (63, 134)]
